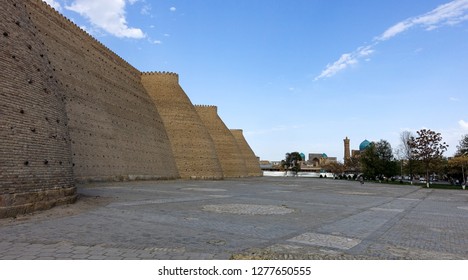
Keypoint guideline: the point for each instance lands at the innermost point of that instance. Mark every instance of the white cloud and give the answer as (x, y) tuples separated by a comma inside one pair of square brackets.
[(395, 30), (157, 42), (346, 60), (172, 9), (145, 10), (463, 124), (342, 63), (450, 14), (108, 15), (54, 4)]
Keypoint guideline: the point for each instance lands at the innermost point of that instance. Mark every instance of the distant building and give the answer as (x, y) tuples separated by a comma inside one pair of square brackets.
[(349, 154), (317, 162)]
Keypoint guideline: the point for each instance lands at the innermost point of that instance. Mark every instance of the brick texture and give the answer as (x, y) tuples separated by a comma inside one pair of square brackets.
[(251, 161), (230, 157), (192, 145), (35, 158), (116, 131)]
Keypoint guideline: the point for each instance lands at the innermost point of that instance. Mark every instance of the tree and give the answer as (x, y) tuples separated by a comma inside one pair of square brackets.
[(369, 162), (377, 160), (462, 148), (292, 161), (405, 151), (388, 167), (461, 158), (335, 167), (427, 147)]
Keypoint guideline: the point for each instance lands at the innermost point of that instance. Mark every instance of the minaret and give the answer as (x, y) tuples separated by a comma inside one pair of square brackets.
[(347, 152)]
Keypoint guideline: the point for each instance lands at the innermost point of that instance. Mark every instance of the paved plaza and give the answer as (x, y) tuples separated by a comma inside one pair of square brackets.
[(259, 218)]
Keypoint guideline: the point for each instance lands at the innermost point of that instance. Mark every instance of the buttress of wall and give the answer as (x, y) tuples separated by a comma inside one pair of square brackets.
[(251, 161), (193, 148), (229, 154), (35, 157), (116, 131)]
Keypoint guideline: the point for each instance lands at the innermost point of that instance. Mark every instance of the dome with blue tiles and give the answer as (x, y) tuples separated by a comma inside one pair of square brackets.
[(364, 144)]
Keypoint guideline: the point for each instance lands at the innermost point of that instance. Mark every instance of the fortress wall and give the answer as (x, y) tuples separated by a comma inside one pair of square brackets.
[(230, 157), (251, 161), (192, 145), (35, 157), (116, 131)]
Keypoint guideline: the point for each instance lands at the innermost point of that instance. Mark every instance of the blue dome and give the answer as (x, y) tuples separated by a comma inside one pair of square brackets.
[(364, 145), (324, 155)]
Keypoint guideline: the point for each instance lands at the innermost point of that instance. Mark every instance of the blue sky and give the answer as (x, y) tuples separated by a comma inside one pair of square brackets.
[(301, 75)]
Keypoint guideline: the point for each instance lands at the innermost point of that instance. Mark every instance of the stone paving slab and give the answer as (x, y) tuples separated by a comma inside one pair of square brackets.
[(272, 218)]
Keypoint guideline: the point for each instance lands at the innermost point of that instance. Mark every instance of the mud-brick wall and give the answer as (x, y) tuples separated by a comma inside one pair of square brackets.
[(35, 156), (116, 131), (192, 145), (230, 157), (251, 161)]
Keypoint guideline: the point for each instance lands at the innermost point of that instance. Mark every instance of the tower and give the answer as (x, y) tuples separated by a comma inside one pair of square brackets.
[(347, 151), (193, 148), (251, 161), (229, 154)]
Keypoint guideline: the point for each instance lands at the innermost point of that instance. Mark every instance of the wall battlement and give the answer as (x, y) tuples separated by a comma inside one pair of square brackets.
[(207, 108), (160, 73), (162, 77)]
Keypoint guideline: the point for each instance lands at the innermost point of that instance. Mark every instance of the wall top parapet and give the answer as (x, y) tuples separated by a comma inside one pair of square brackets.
[(206, 106), (160, 73)]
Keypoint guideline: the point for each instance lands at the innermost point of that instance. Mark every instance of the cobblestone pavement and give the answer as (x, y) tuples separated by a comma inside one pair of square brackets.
[(257, 218)]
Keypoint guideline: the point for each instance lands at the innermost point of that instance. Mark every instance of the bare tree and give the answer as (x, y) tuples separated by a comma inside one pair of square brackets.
[(337, 168), (405, 152), (461, 158), (427, 147), (462, 148)]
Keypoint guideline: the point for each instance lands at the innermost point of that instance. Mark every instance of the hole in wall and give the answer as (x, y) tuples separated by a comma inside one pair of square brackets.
[(26, 163), (5, 34)]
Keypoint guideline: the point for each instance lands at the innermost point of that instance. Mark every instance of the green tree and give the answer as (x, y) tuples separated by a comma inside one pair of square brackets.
[(387, 164), (377, 160), (292, 161), (428, 148), (369, 162)]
